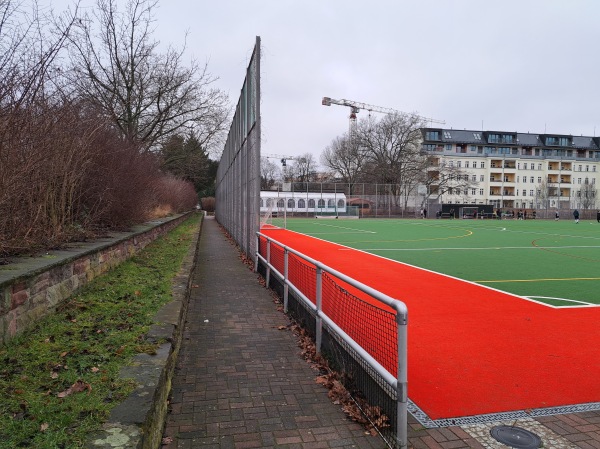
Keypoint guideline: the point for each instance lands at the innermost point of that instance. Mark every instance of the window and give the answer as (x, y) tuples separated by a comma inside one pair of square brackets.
[(429, 147), (262, 203), (477, 136), (459, 164), (473, 148), (281, 203), (481, 191), (311, 204), (340, 203), (482, 165), (466, 164), (302, 204), (331, 203), (586, 181), (432, 135), (321, 203), (539, 166), (539, 179), (451, 163), (474, 178), (531, 193), (482, 178), (449, 190), (524, 179), (532, 179), (449, 147), (447, 135), (524, 165), (580, 168), (593, 180), (291, 204), (593, 168), (587, 168), (578, 180)]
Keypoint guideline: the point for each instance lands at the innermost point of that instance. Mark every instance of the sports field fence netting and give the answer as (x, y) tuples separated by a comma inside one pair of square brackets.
[(393, 200)]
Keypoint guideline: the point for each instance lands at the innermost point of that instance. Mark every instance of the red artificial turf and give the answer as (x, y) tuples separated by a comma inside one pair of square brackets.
[(471, 349)]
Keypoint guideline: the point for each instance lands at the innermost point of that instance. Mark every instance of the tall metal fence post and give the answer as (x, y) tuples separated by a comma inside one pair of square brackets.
[(285, 280), (319, 300), (401, 386)]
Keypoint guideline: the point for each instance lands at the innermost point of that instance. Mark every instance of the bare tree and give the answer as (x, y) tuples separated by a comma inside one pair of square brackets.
[(269, 173), (344, 159), (392, 147), (587, 196), (434, 178), (148, 95), (304, 168), (543, 193)]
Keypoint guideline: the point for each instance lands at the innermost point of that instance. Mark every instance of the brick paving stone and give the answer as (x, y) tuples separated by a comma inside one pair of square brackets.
[(240, 382)]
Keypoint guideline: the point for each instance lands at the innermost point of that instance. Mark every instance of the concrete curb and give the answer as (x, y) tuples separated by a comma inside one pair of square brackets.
[(138, 422)]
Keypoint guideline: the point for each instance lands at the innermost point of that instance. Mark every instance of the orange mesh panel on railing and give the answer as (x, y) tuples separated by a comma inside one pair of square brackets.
[(373, 328), (303, 276), (277, 257)]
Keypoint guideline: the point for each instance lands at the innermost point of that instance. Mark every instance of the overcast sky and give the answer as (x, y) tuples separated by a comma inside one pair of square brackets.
[(506, 65)]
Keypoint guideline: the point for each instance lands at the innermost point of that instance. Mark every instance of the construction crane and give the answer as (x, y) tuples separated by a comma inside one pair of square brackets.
[(283, 159), (356, 107)]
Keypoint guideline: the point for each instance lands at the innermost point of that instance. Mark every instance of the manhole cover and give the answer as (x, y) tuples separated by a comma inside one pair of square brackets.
[(516, 437)]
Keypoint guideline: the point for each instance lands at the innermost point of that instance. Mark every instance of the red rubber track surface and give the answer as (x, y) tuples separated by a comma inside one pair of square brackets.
[(474, 350)]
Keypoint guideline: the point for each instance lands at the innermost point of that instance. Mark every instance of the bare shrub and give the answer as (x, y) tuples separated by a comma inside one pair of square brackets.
[(175, 193), (208, 204)]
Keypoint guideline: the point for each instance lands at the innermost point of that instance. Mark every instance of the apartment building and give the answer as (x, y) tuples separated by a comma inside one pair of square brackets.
[(512, 170)]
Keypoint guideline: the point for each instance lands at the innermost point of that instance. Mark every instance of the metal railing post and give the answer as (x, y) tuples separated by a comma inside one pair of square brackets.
[(268, 274), (401, 386), (257, 253), (319, 300), (285, 280)]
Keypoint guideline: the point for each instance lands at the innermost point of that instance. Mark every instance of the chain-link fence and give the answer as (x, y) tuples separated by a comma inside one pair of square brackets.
[(395, 201), (238, 176)]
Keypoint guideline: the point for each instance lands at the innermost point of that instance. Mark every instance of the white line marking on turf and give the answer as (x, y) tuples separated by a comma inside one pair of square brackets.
[(565, 300), (472, 249), (350, 229)]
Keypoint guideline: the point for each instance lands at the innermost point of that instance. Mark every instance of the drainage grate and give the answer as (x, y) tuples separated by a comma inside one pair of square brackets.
[(516, 437)]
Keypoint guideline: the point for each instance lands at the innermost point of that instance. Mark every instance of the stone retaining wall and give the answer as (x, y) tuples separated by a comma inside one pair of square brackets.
[(32, 287)]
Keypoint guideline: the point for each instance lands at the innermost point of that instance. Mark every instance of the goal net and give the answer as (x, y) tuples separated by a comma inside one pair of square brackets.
[(266, 218), (468, 212)]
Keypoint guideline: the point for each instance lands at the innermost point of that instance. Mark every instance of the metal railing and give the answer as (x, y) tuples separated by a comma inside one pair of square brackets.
[(397, 383)]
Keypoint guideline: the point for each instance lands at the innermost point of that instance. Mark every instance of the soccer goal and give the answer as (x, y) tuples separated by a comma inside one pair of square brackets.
[(468, 212), (266, 217)]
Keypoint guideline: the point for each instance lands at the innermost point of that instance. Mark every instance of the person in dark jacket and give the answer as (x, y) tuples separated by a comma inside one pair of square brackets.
[(576, 215)]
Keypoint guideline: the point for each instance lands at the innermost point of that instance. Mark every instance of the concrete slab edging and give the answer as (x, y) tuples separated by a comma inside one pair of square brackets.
[(138, 422)]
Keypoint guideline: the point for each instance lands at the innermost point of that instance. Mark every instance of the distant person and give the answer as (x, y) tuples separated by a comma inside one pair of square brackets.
[(556, 216), (424, 213), (576, 215), (598, 216), (534, 214), (451, 213), (499, 214)]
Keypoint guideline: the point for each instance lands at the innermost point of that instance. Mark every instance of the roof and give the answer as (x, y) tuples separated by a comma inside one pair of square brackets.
[(474, 137)]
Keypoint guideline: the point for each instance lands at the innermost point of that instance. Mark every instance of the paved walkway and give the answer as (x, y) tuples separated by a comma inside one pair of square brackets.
[(240, 381)]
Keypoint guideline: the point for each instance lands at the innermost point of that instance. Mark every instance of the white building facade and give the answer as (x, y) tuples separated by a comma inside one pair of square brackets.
[(512, 170)]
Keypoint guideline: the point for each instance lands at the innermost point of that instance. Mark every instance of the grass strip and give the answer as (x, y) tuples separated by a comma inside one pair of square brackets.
[(59, 381)]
